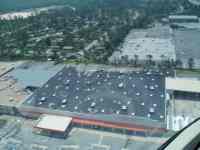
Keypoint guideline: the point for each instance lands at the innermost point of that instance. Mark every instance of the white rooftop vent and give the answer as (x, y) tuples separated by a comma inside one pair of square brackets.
[(133, 114), (124, 107), (88, 82), (52, 105), (43, 99), (153, 79), (142, 103), (119, 77), (89, 109), (77, 88), (98, 75), (67, 88), (102, 110), (154, 105), (88, 89), (39, 103), (67, 82), (133, 85), (151, 87), (129, 102), (57, 86), (108, 75), (125, 93), (88, 98), (93, 104), (109, 83), (63, 106), (162, 96), (105, 80), (121, 85), (130, 78), (141, 78), (119, 102), (76, 97), (54, 94), (156, 85), (161, 117), (148, 115), (138, 94), (101, 99), (64, 101), (117, 112), (150, 95), (98, 82), (151, 110), (77, 81), (46, 86), (148, 73), (146, 86), (76, 107)]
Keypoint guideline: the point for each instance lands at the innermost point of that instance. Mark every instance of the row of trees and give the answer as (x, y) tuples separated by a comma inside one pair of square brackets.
[(150, 62)]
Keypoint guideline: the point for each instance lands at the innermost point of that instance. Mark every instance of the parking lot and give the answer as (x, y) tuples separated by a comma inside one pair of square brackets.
[(78, 139)]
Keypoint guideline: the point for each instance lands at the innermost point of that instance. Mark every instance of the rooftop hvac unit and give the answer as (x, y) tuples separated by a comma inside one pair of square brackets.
[(125, 93), (64, 101), (101, 99), (43, 99), (76, 107), (93, 104), (150, 95), (154, 105), (151, 87), (148, 115), (52, 105), (124, 107), (138, 94), (121, 85), (133, 114), (63, 106), (117, 112), (151, 110), (39, 103)]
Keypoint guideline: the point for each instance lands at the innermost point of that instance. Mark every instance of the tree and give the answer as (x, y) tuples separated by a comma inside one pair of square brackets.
[(136, 59), (191, 63), (149, 60), (178, 63)]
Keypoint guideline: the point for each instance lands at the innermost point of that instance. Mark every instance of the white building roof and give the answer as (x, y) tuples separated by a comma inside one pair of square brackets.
[(182, 84), (54, 123), (183, 17)]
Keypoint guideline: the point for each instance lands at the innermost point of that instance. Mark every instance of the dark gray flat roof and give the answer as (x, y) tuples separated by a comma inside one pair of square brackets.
[(130, 94)]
